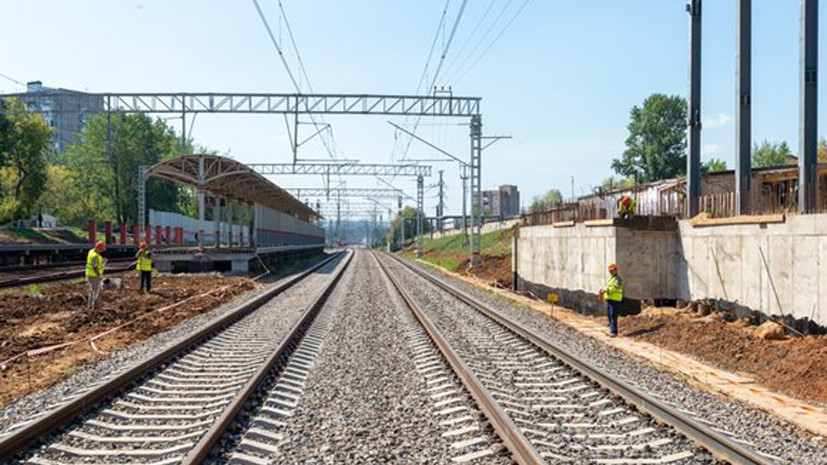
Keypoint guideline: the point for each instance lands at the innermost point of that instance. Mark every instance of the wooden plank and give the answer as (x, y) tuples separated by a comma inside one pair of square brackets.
[(563, 224), (704, 221), (599, 223)]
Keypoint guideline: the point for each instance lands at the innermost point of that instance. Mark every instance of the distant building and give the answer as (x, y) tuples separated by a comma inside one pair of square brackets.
[(66, 115), (503, 202)]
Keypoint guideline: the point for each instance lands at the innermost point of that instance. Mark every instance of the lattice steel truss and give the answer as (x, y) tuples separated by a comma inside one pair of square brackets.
[(349, 169), (331, 104), (341, 192)]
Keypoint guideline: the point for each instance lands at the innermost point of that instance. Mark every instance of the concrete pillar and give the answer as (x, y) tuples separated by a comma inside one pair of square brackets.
[(200, 218), (217, 220), (168, 235), (148, 234), (158, 235), (107, 230), (230, 221), (136, 234), (122, 233), (251, 207)]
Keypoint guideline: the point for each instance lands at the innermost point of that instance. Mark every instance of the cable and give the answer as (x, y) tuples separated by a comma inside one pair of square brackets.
[(496, 39), (471, 36), (12, 80), (275, 44), (439, 67), (484, 35)]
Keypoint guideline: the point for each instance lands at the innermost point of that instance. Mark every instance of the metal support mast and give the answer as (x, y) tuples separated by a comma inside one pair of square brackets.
[(693, 161), (142, 170), (464, 177), (743, 117), (440, 207), (476, 181), (808, 110), (420, 208)]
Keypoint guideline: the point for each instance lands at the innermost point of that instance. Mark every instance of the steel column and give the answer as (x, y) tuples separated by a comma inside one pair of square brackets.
[(808, 109), (142, 170), (420, 208), (464, 177), (743, 117), (693, 160), (476, 194)]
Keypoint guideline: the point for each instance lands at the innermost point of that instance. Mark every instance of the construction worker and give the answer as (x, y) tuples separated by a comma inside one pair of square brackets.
[(144, 267), (94, 272), (626, 207), (613, 295)]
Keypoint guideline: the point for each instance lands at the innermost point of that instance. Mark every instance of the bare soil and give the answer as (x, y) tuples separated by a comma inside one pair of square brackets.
[(796, 366), (58, 313), (495, 270)]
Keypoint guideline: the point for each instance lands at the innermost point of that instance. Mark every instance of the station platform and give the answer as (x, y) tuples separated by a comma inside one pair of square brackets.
[(225, 259)]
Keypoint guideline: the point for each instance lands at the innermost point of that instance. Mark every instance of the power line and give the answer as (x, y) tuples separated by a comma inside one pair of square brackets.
[(276, 44), (472, 35), (496, 39), (424, 68), (439, 67), (12, 79)]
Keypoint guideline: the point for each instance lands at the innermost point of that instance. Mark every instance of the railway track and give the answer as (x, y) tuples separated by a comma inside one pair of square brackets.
[(22, 276), (546, 405), (175, 407)]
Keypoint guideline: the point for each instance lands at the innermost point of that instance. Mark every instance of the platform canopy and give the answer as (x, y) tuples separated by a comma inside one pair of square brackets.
[(230, 179)]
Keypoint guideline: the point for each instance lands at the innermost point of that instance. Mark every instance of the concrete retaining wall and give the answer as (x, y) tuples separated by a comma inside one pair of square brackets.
[(771, 268)]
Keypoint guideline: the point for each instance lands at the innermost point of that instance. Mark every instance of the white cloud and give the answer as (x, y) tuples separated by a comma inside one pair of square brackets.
[(718, 121), (709, 150)]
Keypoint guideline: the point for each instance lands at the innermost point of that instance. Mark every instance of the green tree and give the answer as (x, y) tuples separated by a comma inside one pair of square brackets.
[(24, 141), (547, 201), (713, 165), (822, 150), (770, 153), (109, 184), (656, 146), (611, 183), (409, 214)]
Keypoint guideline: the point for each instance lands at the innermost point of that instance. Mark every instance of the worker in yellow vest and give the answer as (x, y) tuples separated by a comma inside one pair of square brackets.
[(613, 295), (94, 272), (626, 206), (144, 267)]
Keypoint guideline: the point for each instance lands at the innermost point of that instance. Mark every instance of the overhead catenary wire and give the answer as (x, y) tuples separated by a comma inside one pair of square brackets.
[(439, 67), (490, 45)]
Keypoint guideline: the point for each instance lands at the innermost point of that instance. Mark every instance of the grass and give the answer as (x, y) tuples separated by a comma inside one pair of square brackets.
[(30, 234), (444, 251)]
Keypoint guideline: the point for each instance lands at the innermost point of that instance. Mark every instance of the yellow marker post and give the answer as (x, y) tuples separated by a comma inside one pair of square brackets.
[(552, 298)]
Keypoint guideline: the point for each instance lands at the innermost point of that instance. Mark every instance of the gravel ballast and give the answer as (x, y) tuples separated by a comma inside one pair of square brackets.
[(365, 400), (757, 429), (37, 404)]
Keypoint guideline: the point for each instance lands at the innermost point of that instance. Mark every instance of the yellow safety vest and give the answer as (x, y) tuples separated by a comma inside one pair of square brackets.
[(614, 289), (144, 261), (91, 259), (630, 208)]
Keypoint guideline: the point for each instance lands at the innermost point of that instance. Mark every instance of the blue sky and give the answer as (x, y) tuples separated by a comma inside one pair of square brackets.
[(561, 79)]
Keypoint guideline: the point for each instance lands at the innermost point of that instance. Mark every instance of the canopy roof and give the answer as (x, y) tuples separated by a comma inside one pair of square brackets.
[(227, 178)]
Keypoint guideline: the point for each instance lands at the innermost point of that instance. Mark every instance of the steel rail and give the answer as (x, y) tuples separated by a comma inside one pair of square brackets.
[(522, 451), (56, 276), (205, 445), (18, 441), (716, 443)]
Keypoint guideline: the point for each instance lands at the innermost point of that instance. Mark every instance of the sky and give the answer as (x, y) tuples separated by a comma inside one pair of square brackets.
[(558, 76)]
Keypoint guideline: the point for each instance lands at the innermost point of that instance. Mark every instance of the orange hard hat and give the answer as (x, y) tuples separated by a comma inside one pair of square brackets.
[(143, 245), (100, 245), (612, 267)]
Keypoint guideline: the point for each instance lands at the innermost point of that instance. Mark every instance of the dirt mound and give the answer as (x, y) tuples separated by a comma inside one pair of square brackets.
[(796, 366), (496, 270), (37, 317)]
